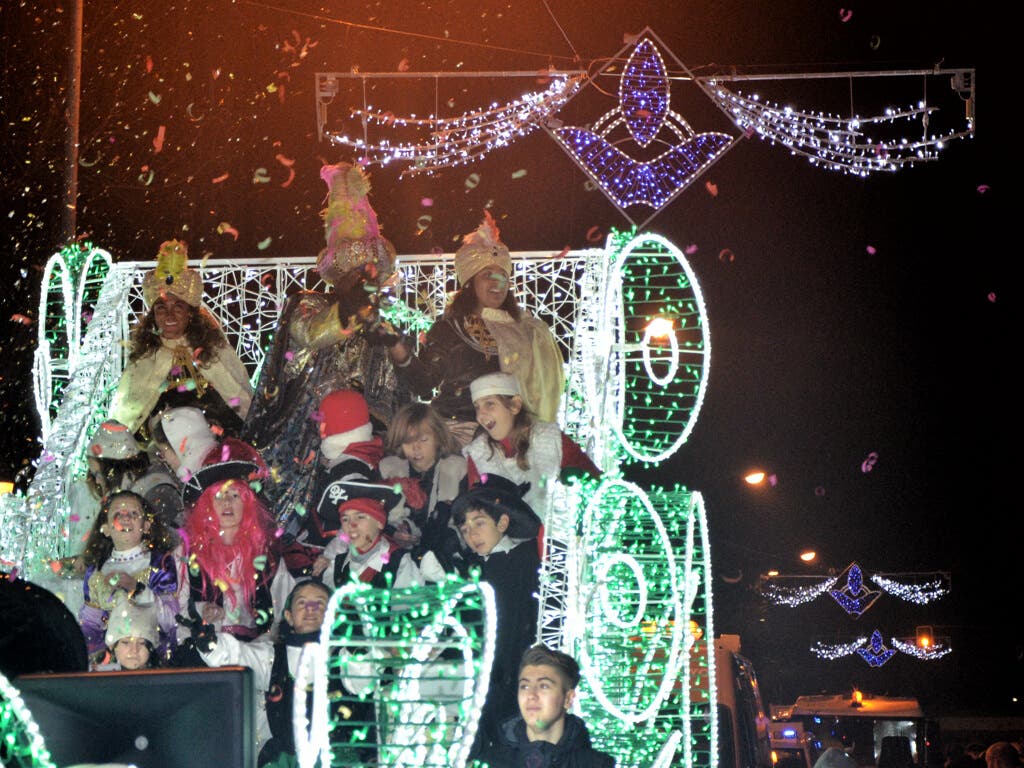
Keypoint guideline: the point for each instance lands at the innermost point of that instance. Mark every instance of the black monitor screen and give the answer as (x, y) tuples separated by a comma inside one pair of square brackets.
[(201, 718)]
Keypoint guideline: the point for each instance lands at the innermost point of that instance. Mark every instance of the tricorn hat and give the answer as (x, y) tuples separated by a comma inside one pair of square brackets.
[(501, 496), (235, 460)]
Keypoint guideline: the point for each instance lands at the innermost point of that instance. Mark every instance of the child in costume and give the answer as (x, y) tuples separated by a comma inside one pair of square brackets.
[(132, 637), (545, 733), (500, 530), (179, 355), (424, 459), (324, 343), (482, 331), (127, 557), (230, 577), (362, 551), (511, 442)]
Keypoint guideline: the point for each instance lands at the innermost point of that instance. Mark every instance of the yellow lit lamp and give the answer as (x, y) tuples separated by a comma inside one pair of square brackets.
[(857, 699), (6, 487)]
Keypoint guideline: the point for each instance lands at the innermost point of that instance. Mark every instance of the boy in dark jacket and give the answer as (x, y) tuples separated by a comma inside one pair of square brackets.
[(545, 735)]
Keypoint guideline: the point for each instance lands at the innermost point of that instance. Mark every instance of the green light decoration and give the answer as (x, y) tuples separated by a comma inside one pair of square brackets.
[(645, 610), (21, 744), (399, 676), (650, 355)]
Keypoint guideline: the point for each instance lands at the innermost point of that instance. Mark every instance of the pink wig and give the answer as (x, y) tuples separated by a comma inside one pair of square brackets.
[(252, 540)]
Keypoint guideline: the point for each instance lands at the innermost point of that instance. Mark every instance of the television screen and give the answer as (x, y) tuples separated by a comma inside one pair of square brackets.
[(201, 718)]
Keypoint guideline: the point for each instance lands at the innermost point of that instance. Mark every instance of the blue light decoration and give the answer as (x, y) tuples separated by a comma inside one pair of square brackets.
[(628, 180), (876, 653), (854, 597)]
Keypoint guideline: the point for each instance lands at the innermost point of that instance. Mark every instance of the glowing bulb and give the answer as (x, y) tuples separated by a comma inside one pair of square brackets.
[(755, 478), (808, 556), (659, 328)]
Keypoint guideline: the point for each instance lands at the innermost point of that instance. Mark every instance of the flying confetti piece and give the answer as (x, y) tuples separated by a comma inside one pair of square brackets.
[(845, 14), (589, 185), (871, 249), (23, 319), (147, 175), (691, 249), (222, 177), (403, 65), (289, 355), (300, 510), (158, 140), (726, 255), (191, 114), (519, 174), (992, 297), (287, 163), (712, 188), (869, 463), (149, 63), (154, 97), (561, 254), (225, 228), (876, 41), (260, 562), (773, 480), (594, 235), (423, 223), (264, 243), (260, 176), (472, 181), (983, 188), (819, 491)]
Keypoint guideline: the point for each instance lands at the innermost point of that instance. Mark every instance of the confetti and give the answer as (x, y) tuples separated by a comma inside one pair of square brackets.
[(726, 255), (589, 185), (427, 202), (147, 175), (260, 176), (403, 65), (260, 562), (225, 228), (23, 319), (154, 97), (158, 140), (594, 235), (264, 243), (287, 162), (983, 188), (992, 297), (871, 249), (289, 355), (845, 15), (222, 177), (519, 174), (876, 41), (712, 188), (423, 223), (869, 463), (690, 249), (819, 491), (561, 254), (472, 181)]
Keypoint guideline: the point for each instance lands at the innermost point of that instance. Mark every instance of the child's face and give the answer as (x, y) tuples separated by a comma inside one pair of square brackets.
[(543, 700), (362, 529), (480, 531), (420, 448), (131, 653), (307, 609), (126, 523), (490, 287), (229, 506), (497, 417)]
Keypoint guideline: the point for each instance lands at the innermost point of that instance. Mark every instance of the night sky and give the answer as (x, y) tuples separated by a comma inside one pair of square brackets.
[(856, 315)]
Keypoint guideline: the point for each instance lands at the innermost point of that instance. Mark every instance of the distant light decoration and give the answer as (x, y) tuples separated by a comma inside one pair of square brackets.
[(754, 478), (875, 652), (457, 141), (21, 743), (855, 597), (808, 556), (935, 588), (794, 596), (930, 652), (656, 399), (404, 672)]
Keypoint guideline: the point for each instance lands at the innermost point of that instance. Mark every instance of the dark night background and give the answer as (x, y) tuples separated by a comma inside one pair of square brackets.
[(822, 352)]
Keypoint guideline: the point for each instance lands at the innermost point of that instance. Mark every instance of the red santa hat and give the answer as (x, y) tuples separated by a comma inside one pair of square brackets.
[(346, 420)]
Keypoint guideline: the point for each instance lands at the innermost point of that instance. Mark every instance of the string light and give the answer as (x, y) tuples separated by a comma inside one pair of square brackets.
[(458, 141), (875, 652), (921, 594), (22, 745)]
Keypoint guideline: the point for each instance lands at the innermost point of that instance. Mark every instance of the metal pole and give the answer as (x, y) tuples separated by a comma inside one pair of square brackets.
[(69, 212)]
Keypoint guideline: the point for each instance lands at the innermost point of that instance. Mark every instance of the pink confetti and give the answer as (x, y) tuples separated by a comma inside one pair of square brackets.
[(225, 453), (74, 518), (403, 65), (773, 480), (289, 355), (594, 235), (691, 249), (819, 491), (871, 249), (726, 255), (234, 402), (983, 188), (712, 188), (869, 463), (561, 254), (845, 15), (23, 319), (427, 202), (222, 177), (158, 140), (992, 297), (225, 228)]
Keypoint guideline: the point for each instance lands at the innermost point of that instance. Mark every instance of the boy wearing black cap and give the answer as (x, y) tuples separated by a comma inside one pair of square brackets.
[(500, 531)]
